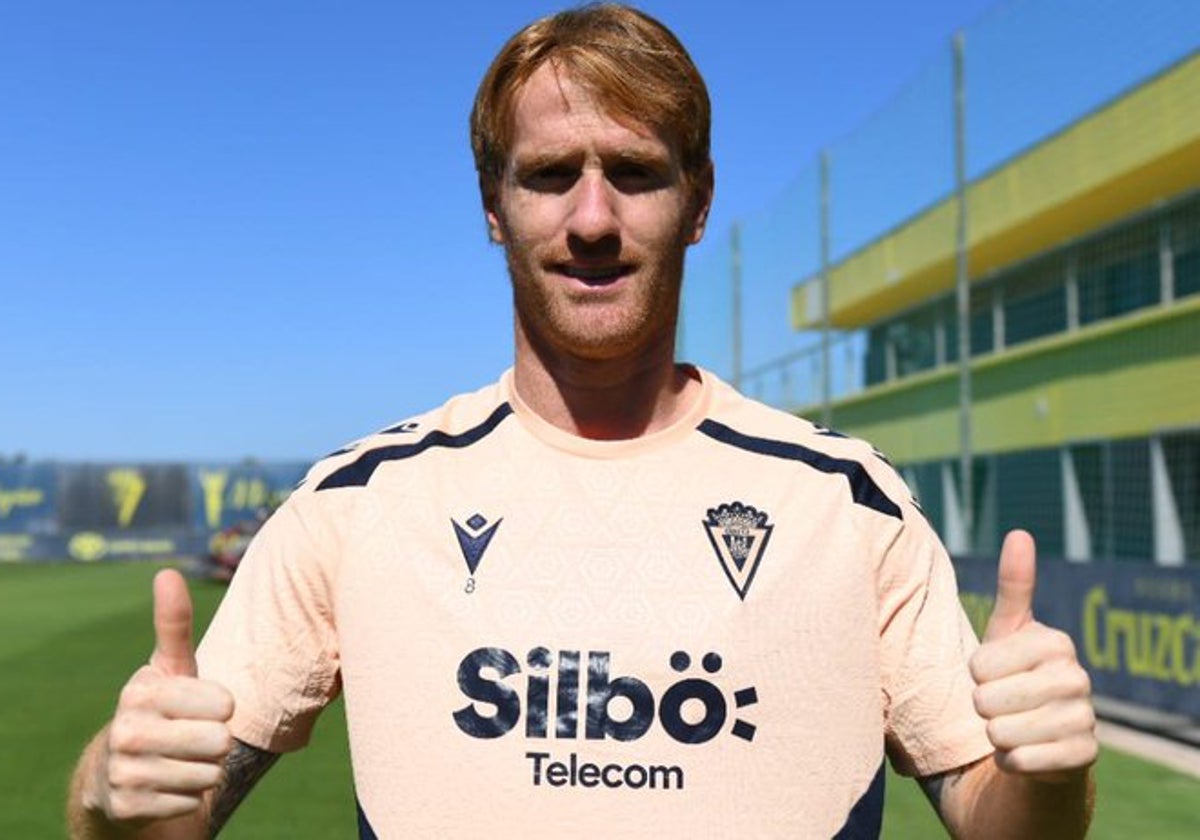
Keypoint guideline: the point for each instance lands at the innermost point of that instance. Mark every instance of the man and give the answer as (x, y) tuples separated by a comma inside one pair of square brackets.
[(606, 596)]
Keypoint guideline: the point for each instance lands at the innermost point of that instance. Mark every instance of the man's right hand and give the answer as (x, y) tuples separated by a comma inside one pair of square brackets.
[(163, 751)]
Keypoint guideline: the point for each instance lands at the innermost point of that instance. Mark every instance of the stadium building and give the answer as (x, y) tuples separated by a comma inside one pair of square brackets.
[(1083, 256)]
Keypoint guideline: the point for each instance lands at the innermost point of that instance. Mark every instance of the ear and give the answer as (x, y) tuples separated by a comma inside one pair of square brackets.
[(490, 195), (702, 197), (495, 229)]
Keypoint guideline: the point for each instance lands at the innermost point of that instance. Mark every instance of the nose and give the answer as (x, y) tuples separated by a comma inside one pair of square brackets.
[(593, 212)]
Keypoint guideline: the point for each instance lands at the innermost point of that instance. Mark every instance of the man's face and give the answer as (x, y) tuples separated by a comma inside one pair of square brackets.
[(595, 216)]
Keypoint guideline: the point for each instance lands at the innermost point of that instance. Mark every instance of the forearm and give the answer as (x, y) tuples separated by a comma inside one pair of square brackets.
[(990, 803)]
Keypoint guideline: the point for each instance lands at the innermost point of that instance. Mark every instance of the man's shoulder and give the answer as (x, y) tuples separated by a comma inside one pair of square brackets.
[(751, 425), (750, 417), (459, 421)]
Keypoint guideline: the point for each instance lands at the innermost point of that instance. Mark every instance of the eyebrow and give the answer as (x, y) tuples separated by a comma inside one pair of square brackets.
[(647, 158), (536, 160), (524, 163)]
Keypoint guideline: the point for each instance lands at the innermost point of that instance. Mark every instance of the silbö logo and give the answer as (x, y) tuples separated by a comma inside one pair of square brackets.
[(482, 676)]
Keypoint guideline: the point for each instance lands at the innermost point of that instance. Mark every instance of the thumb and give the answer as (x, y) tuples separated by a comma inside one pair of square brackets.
[(1015, 584), (172, 626)]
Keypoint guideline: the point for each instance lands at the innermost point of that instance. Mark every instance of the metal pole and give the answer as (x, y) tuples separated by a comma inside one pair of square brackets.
[(826, 383), (735, 248), (962, 283)]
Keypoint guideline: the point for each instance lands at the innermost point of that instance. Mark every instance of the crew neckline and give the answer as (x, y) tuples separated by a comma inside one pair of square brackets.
[(557, 438)]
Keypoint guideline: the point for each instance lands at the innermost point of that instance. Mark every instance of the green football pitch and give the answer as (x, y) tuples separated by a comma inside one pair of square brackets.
[(71, 634)]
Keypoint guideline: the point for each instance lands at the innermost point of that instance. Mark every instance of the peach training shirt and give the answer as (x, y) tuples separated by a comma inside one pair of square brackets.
[(717, 630)]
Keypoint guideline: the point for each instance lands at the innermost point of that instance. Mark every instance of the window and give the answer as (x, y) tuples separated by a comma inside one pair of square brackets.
[(1185, 249), (904, 345), (1119, 273), (1035, 301), (982, 325), (914, 341), (875, 360)]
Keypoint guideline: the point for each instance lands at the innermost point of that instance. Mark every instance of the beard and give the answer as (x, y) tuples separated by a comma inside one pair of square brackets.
[(636, 313)]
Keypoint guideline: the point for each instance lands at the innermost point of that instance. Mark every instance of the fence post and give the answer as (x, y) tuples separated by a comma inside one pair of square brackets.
[(735, 253), (826, 384), (962, 284)]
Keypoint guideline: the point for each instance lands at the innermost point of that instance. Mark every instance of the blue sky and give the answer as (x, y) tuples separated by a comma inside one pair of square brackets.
[(252, 228)]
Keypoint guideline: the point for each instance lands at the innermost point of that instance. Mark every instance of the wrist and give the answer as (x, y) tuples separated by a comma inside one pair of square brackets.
[(1056, 804), (87, 812), (1059, 778), (91, 785)]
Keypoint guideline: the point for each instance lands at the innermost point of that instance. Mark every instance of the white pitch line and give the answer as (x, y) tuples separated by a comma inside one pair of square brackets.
[(1177, 756)]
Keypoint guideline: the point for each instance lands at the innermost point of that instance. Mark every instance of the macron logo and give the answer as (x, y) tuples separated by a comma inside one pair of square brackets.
[(473, 539)]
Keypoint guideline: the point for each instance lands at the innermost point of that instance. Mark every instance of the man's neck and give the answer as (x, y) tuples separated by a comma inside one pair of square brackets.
[(609, 399)]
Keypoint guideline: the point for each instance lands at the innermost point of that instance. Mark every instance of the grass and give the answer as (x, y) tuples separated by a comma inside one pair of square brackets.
[(70, 635), (1134, 798)]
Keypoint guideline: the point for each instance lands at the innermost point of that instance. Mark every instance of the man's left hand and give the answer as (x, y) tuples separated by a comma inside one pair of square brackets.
[(1031, 689)]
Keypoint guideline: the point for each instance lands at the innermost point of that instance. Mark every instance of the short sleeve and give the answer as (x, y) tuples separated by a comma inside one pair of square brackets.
[(926, 643), (273, 641)]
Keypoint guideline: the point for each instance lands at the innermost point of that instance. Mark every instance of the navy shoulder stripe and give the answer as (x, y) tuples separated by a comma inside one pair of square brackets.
[(358, 472), (863, 488)]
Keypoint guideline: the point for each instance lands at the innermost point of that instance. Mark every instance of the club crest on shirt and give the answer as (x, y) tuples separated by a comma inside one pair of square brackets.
[(739, 535)]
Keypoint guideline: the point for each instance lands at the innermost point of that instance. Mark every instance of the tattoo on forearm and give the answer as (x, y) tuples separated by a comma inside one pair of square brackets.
[(938, 785), (244, 766)]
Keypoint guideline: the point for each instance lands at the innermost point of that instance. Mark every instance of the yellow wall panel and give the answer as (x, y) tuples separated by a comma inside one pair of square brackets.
[(1140, 150), (1125, 378)]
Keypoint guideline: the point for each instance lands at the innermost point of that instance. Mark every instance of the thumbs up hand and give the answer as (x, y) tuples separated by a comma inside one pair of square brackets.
[(1031, 689), (173, 654), (165, 746)]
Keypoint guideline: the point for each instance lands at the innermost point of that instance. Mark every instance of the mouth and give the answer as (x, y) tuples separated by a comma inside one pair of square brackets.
[(594, 275)]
